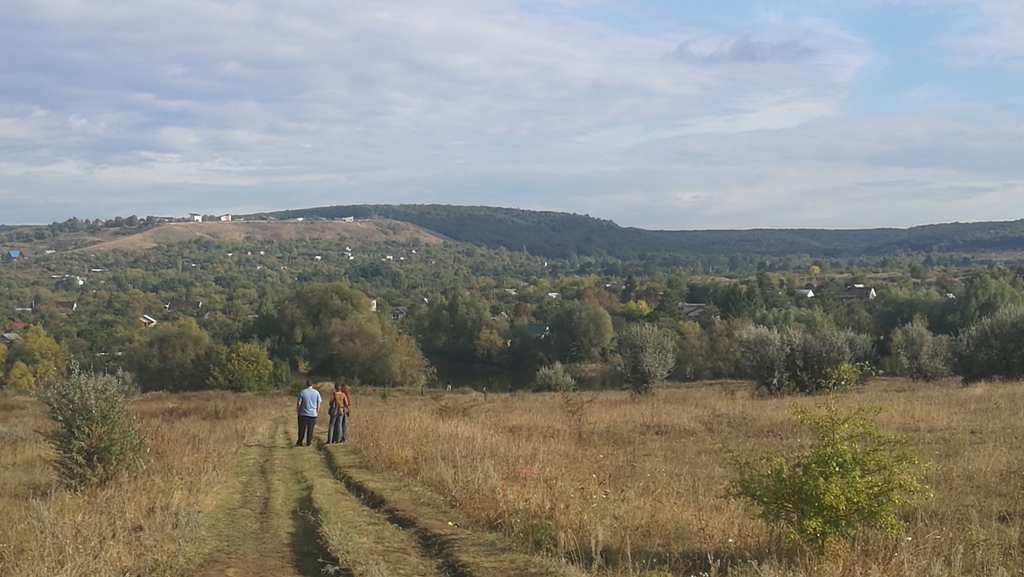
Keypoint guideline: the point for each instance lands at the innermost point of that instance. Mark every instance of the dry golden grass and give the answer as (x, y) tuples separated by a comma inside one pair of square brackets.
[(151, 523), (637, 485)]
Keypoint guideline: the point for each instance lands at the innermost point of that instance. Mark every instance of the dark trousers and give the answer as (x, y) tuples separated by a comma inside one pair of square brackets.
[(306, 425)]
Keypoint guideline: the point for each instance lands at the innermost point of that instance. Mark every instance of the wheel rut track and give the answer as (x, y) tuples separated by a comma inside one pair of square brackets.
[(432, 544), (268, 524)]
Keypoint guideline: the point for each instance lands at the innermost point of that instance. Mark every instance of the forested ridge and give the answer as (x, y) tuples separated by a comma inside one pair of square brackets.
[(560, 235)]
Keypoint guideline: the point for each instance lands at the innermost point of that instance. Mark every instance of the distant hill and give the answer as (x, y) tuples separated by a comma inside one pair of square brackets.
[(551, 234), (542, 233), (263, 230), (560, 235)]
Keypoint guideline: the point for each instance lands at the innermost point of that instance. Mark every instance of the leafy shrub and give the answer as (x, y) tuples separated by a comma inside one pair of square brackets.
[(844, 376), (992, 348), (793, 360), (853, 476), (241, 367), (647, 355), (555, 378), (918, 354), (96, 437), (765, 358)]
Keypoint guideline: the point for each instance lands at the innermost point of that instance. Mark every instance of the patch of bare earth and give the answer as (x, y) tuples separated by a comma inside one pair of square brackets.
[(365, 230)]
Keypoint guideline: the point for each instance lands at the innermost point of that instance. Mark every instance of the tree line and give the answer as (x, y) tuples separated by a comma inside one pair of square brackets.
[(267, 310)]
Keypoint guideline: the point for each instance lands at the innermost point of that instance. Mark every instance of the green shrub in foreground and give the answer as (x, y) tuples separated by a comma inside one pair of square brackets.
[(96, 437), (853, 476)]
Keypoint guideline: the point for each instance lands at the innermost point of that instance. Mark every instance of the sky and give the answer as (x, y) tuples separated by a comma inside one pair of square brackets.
[(658, 114)]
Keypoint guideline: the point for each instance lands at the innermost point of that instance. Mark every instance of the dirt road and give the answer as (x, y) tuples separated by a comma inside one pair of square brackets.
[(311, 511)]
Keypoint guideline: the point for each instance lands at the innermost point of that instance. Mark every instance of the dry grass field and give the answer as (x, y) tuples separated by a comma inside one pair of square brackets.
[(152, 523), (588, 483), (224, 492), (626, 486)]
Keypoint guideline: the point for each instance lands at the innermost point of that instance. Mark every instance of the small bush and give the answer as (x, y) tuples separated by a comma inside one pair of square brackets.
[(647, 355), (991, 348), (918, 354), (793, 360), (555, 378), (96, 437), (853, 476)]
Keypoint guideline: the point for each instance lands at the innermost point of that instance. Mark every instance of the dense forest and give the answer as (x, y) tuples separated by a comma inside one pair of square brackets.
[(247, 314)]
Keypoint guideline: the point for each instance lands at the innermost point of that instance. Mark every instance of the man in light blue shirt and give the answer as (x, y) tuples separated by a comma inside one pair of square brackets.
[(307, 407)]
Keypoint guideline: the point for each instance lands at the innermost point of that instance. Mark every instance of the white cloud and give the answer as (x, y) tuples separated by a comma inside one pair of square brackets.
[(994, 35), (136, 106)]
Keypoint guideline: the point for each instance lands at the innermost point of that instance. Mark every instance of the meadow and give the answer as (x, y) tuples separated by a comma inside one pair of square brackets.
[(153, 522), (610, 484), (620, 485)]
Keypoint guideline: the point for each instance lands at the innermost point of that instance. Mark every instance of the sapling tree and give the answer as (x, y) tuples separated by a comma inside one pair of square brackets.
[(96, 438), (647, 355), (853, 476)]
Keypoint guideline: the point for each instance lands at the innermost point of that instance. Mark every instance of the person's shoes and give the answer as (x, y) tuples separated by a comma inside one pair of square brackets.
[(298, 444)]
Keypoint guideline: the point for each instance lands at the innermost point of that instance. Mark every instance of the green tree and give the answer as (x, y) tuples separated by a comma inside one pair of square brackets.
[(373, 351), (19, 378), (647, 355), (635, 310), (96, 437), (169, 356), (992, 348), (44, 358), (580, 331), (918, 354), (693, 352), (241, 367), (793, 360), (984, 296), (766, 353), (452, 329)]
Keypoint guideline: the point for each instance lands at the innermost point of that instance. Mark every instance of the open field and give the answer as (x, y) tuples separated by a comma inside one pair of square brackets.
[(638, 484), (224, 492), (514, 484)]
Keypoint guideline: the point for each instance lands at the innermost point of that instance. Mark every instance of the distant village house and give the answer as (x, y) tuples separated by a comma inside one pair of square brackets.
[(180, 305), (398, 313), (858, 292), (697, 310)]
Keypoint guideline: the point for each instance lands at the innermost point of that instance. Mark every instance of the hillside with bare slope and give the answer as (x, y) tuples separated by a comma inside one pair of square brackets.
[(364, 230)]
